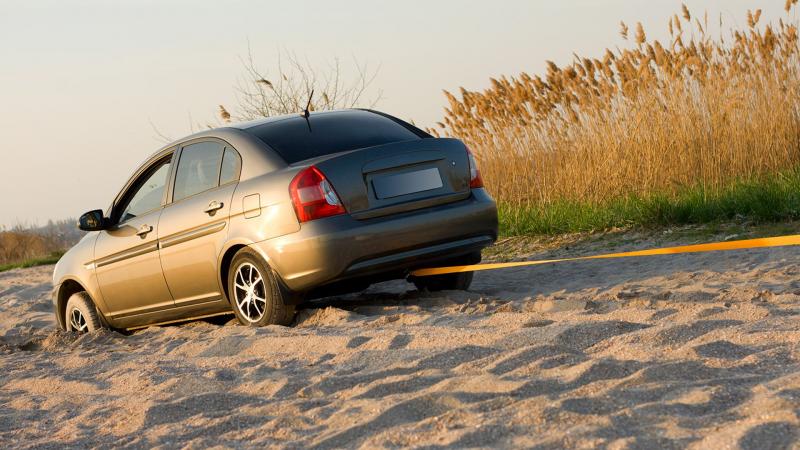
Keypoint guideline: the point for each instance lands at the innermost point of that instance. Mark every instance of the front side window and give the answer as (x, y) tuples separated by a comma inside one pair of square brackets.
[(198, 169), (149, 192)]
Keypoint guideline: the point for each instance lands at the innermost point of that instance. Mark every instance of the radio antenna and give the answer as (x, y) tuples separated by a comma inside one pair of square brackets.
[(305, 112)]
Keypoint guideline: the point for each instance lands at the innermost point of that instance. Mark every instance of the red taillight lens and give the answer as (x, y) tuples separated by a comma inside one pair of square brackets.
[(313, 196), (475, 180)]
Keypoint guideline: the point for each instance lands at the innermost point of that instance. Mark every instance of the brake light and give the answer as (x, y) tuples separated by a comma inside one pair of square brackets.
[(313, 196), (475, 180)]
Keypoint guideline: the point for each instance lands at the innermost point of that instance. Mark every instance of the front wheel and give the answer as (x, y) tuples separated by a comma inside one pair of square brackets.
[(81, 315), (256, 296)]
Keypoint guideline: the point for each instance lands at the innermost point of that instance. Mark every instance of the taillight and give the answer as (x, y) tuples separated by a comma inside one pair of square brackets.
[(313, 196), (475, 180)]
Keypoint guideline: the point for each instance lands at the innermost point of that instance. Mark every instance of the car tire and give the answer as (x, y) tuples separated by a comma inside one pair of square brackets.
[(256, 296), (449, 282), (81, 315)]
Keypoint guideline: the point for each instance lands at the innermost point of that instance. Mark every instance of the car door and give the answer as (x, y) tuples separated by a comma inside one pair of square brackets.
[(127, 262), (194, 227)]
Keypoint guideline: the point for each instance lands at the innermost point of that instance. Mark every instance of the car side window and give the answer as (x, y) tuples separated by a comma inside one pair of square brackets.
[(198, 169), (149, 193), (231, 166)]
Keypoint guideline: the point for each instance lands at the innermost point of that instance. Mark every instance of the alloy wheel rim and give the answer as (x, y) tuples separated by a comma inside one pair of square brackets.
[(77, 321), (250, 292)]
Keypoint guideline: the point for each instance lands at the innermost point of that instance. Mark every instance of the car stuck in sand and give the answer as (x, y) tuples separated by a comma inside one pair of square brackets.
[(260, 216)]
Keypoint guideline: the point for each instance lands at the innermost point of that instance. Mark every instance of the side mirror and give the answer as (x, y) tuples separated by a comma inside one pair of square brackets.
[(93, 221)]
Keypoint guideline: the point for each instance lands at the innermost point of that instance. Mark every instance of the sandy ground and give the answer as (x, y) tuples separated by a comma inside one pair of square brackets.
[(677, 351)]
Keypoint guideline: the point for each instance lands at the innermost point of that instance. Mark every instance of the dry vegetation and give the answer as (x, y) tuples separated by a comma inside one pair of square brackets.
[(290, 86), (18, 246), (654, 119), (24, 246)]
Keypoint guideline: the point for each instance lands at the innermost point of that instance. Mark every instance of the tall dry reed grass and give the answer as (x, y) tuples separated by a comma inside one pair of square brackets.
[(653, 118), (24, 243), (19, 246)]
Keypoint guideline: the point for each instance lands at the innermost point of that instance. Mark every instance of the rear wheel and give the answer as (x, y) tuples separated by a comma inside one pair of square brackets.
[(448, 282), (452, 281), (81, 315), (256, 296)]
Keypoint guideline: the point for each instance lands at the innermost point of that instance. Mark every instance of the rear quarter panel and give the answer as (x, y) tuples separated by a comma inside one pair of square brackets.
[(261, 209)]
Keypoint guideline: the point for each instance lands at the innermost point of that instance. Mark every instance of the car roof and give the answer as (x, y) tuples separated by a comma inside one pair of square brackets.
[(238, 132), (237, 128), (296, 116)]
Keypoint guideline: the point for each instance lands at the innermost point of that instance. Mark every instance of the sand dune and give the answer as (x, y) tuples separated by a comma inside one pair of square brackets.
[(680, 351)]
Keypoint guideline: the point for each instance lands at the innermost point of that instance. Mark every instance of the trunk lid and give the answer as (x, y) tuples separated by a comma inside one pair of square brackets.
[(398, 177)]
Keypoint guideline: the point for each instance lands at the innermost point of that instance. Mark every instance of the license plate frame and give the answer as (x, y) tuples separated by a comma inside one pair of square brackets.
[(399, 184)]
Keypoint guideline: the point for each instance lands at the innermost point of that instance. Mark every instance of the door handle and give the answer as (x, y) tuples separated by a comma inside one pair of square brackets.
[(213, 207), (143, 230)]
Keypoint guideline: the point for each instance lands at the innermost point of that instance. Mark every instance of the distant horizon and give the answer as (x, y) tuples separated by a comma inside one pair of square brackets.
[(88, 86)]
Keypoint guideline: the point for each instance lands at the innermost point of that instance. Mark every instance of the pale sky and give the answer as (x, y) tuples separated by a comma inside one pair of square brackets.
[(81, 81)]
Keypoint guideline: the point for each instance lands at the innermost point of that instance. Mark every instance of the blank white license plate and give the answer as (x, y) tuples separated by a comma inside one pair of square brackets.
[(389, 186)]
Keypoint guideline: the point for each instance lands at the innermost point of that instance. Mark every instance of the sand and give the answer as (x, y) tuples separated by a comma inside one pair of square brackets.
[(697, 351)]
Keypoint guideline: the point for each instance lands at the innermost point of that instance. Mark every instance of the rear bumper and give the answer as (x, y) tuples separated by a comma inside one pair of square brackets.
[(341, 248)]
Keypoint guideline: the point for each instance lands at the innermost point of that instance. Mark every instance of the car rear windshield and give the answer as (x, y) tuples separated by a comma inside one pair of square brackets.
[(295, 140)]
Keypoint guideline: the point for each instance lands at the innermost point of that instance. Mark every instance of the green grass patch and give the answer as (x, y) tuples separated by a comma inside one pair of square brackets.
[(50, 259), (771, 198)]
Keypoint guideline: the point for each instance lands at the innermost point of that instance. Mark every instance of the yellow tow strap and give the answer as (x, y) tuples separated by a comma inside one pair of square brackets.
[(780, 241)]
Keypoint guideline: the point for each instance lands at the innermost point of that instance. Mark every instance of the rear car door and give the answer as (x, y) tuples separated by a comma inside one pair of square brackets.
[(194, 227), (127, 263)]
